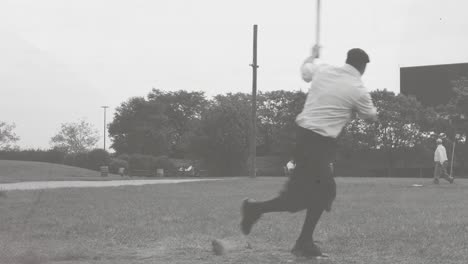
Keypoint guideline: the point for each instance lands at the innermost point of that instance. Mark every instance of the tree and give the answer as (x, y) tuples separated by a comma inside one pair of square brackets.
[(98, 158), (163, 124), (183, 110), (354, 137), (456, 112), (403, 126), (460, 101), (76, 137), (276, 112), (140, 127), (7, 137), (222, 139)]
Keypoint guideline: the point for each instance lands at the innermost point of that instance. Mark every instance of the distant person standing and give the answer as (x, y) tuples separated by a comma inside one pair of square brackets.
[(335, 94), (290, 166), (441, 161)]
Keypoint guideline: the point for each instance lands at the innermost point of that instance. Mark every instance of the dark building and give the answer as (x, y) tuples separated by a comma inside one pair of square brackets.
[(431, 85)]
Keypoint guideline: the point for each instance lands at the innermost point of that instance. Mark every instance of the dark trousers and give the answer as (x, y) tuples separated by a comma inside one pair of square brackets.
[(311, 187)]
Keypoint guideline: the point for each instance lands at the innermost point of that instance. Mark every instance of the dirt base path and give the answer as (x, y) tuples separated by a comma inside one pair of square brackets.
[(80, 184)]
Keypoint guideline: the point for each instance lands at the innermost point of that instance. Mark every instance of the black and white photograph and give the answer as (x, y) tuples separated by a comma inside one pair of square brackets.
[(250, 132)]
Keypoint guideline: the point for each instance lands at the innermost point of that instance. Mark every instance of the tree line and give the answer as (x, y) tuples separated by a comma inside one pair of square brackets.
[(189, 125), (186, 124)]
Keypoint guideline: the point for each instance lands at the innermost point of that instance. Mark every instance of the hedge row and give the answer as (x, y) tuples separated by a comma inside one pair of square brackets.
[(94, 159), (51, 156), (139, 162)]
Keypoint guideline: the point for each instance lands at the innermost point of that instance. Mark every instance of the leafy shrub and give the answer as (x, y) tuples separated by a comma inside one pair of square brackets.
[(141, 162), (151, 163), (115, 164), (77, 160), (124, 156), (97, 158), (163, 162)]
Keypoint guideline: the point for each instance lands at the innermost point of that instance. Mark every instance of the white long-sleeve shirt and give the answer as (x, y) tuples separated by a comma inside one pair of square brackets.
[(440, 154), (335, 92)]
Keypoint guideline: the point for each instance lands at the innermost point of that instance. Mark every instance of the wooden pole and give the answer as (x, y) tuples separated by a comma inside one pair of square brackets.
[(253, 128)]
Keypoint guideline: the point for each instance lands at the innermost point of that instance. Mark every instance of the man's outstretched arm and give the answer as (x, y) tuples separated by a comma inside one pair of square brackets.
[(365, 108), (308, 67)]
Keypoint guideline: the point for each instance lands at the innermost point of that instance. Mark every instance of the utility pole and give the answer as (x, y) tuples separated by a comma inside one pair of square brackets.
[(104, 107), (253, 128)]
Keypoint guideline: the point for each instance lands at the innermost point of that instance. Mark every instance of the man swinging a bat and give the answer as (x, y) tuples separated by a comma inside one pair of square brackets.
[(335, 95)]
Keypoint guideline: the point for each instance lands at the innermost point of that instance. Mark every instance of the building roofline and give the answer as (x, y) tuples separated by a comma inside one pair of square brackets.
[(435, 65)]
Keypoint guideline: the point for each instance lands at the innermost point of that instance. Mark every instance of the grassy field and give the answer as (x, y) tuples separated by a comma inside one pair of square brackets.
[(17, 171), (373, 221)]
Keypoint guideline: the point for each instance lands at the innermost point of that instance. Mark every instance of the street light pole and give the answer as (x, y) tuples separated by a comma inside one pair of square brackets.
[(104, 107)]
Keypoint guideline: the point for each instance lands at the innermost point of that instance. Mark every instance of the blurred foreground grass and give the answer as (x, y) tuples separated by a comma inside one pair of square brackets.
[(373, 221)]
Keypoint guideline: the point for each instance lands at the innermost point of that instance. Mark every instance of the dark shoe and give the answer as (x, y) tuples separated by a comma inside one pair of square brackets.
[(436, 181), (249, 216), (307, 250)]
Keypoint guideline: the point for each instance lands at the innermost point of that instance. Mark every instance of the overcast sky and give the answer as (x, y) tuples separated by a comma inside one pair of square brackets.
[(60, 60)]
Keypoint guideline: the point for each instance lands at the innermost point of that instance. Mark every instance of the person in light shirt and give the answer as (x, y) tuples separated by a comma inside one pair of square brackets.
[(336, 94), (440, 160), (290, 167)]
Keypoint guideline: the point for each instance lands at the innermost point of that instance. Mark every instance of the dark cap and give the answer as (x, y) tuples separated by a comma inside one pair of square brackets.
[(357, 56)]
